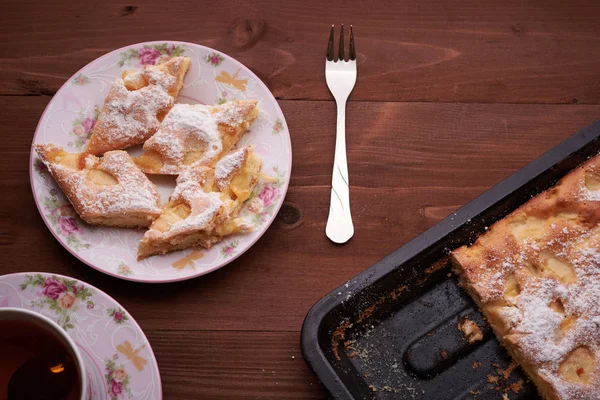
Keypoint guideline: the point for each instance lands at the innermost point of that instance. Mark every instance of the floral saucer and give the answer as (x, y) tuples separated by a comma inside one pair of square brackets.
[(68, 120), (118, 359)]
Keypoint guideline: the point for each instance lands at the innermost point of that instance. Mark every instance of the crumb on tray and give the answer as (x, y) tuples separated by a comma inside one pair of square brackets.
[(470, 330)]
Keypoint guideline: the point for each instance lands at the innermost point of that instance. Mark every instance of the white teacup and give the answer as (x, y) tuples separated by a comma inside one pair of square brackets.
[(49, 326)]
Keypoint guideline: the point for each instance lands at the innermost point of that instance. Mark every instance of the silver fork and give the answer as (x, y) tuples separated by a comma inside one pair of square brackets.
[(341, 77)]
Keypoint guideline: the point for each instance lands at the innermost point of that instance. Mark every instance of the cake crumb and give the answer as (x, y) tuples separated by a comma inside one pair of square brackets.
[(470, 330), (476, 364), (506, 372), (516, 387), (373, 388)]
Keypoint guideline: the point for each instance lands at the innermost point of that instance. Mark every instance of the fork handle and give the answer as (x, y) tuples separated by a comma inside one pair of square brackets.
[(339, 226)]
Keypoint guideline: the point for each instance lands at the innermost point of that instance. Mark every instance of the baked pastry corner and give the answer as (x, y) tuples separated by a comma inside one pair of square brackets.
[(109, 191)]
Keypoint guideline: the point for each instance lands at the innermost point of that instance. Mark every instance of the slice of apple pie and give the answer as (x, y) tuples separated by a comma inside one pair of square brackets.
[(535, 275), (110, 191), (204, 206), (196, 135), (136, 104)]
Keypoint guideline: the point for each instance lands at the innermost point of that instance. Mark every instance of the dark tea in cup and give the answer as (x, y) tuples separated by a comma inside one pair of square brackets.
[(38, 361)]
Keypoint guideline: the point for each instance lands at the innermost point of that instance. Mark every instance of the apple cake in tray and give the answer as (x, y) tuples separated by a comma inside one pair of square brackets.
[(535, 275)]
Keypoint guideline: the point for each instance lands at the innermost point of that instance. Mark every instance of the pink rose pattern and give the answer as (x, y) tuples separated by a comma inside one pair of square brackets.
[(80, 80), (214, 59), (64, 220), (229, 249), (264, 199), (268, 194), (61, 295), (117, 380), (277, 126), (151, 54), (66, 300), (79, 131), (148, 55), (118, 316), (39, 166), (67, 225), (88, 124), (53, 288), (116, 388), (119, 374), (82, 128), (124, 269)]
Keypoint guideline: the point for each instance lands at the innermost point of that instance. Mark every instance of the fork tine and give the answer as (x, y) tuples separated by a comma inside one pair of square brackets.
[(330, 46), (352, 50), (341, 54)]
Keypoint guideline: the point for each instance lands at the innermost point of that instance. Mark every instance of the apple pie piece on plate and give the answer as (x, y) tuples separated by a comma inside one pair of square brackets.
[(110, 191), (535, 275), (169, 75), (204, 206), (135, 105), (196, 135)]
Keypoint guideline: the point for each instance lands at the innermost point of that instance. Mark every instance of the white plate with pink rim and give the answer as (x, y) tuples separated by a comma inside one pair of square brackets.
[(119, 361), (213, 77)]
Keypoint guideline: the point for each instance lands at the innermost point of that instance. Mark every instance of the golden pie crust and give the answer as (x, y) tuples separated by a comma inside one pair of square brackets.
[(535, 275)]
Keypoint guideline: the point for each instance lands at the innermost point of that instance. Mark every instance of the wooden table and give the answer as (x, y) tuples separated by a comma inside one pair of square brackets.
[(452, 97)]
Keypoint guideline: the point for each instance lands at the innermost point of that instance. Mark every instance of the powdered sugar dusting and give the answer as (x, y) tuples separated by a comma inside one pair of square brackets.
[(129, 117), (133, 192), (589, 195), (183, 123), (228, 165), (232, 113), (558, 275), (159, 78)]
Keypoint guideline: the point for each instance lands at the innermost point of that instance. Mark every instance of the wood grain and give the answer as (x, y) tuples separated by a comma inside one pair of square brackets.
[(425, 135), (410, 165), (433, 51), (233, 365)]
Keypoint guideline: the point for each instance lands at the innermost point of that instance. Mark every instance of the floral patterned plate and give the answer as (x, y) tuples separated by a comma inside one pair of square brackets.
[(118, 359), (70, 117)]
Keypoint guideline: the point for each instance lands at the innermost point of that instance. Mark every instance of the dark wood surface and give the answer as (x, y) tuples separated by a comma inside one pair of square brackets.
[(452, 97)]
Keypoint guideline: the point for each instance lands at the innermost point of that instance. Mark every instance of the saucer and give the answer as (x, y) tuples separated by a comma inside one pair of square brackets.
[(118, 359)]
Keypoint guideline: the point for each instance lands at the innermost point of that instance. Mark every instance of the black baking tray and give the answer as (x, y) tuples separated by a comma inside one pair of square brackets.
[(391, 332)]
